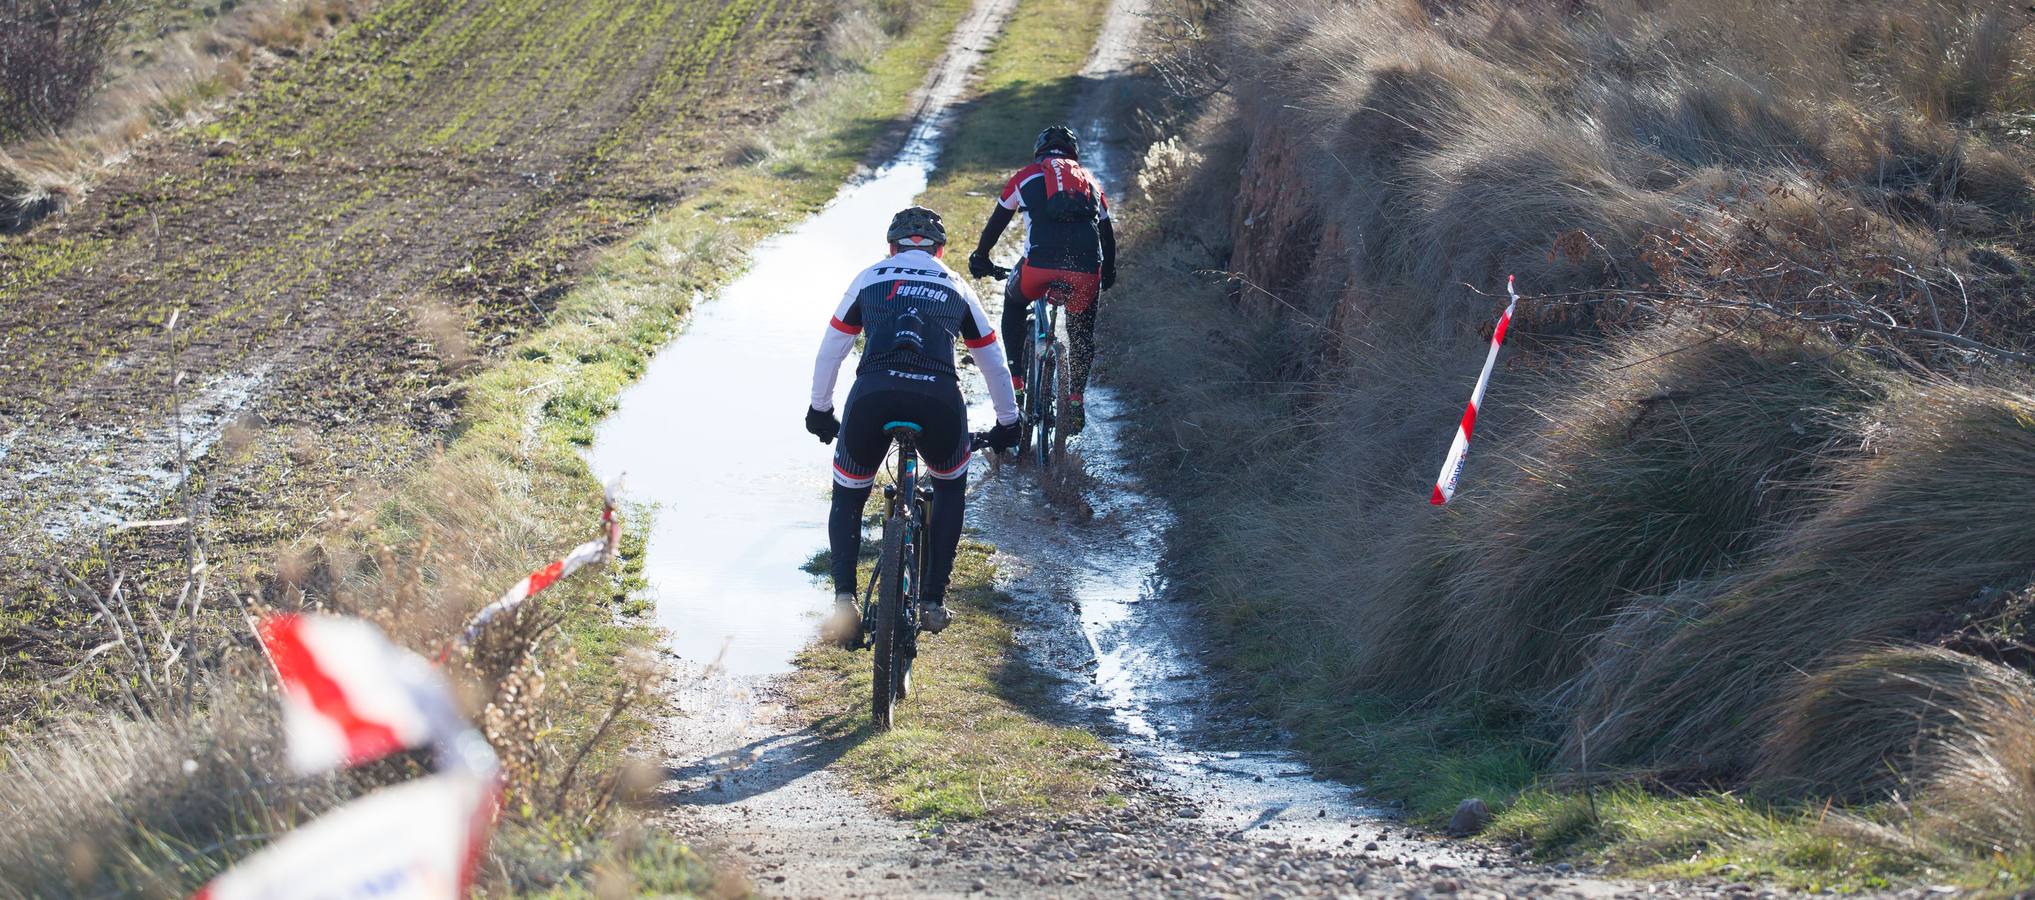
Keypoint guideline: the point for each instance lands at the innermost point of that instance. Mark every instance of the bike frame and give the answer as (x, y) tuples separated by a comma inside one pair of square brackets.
[(906, 483)]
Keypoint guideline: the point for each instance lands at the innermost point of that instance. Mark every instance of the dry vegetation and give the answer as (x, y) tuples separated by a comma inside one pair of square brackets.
[(83, 81), (1749, 504)]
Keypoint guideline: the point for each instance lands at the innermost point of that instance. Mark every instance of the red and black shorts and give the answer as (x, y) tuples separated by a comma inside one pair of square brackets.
[(1033, 282)]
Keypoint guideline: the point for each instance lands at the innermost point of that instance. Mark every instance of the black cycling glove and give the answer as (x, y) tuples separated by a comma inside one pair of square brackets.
[(979, 265), (1003, 437), (822, 425)]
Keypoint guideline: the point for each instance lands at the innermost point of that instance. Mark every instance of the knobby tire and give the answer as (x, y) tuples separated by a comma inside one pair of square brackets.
[(886, 646)]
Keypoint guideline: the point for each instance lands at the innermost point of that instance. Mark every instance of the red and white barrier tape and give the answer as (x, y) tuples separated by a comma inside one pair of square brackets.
[(599, 549), (350, 697), (1452, 467)]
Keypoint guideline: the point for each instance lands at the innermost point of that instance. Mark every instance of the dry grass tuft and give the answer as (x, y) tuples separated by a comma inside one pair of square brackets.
[(1677, 453), (1764, 413), (445, 328), (1934, 513), (1887, 722)]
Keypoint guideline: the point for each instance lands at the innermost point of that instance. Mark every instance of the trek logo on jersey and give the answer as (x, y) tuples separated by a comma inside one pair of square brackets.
[(901, 270), (917, 290), (912, 376)]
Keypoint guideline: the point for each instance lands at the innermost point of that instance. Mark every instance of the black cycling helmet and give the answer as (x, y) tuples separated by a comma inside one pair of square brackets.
[(1057, 139), (916, 226)]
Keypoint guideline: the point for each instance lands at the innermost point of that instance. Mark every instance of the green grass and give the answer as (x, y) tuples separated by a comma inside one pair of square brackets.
[(1431, 759), (965, 744)]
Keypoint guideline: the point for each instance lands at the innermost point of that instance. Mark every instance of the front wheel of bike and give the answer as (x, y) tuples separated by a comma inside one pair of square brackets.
[(1048, 411), (1030, 409), (886, 643)]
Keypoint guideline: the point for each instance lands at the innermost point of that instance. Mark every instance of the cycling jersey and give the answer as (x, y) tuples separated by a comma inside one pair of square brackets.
[(1062, 204), (910, 309)]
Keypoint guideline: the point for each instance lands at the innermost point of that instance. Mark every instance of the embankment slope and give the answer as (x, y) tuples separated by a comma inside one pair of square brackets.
[(1758, 442)]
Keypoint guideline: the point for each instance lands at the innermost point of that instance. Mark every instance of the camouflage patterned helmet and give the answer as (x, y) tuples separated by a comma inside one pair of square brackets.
[(916, 226)]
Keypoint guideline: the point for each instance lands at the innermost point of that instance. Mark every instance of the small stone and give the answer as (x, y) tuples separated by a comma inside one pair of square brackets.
[(1187, 812), (978, 885), (1471, 817), (1370, 846), (1564, 868)]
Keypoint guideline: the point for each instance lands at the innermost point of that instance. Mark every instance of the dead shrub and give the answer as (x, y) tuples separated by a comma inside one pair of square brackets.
[(51, 53)]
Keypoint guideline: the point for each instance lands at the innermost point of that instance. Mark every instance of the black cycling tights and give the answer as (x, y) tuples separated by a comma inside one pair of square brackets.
[(844, 534)]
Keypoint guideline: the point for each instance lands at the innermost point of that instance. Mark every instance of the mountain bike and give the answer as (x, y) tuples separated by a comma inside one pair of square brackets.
[(1042, 374), (890, 604)]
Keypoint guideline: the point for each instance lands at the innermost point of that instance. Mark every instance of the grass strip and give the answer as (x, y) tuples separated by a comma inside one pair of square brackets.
[(965, 744)]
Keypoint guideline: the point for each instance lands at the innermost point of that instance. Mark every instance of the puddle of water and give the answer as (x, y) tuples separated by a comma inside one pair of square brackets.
[(711, 438), (1140, 650), (104, 475)]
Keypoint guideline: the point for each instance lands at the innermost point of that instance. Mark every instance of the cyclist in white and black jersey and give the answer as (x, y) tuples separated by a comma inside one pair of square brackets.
[(909, 309)]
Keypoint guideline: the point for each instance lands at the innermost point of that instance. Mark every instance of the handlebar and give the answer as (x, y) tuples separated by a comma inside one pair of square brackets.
[(979, 440)]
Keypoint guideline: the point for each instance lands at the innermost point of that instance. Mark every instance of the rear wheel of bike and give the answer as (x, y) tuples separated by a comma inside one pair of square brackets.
[(886, 643)]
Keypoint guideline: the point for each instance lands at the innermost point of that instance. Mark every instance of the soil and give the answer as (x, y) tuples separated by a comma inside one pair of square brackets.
[(335, 247)]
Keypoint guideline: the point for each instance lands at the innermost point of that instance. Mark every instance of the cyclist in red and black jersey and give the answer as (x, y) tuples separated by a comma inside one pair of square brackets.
[(1068, 238)]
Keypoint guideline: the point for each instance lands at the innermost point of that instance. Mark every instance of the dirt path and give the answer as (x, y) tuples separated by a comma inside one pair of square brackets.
[(1211, 806)]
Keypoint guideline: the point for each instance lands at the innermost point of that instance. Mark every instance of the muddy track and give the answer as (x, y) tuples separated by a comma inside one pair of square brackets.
[(442, 153), (337, 246)]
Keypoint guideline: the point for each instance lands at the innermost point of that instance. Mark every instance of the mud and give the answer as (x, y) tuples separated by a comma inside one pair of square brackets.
[(298, 237)]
